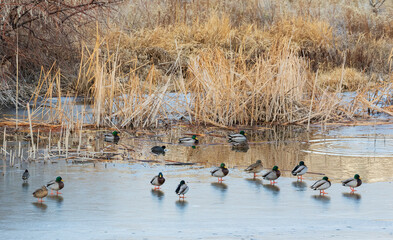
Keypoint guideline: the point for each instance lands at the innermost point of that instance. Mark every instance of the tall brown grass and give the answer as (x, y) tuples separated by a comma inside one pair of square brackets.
[(240, 62)]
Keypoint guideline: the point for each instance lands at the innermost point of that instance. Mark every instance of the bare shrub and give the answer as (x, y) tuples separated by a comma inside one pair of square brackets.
[(46, 31)]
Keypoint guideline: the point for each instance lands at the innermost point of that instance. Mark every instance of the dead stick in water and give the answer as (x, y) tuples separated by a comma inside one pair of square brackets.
[(4, 143), (31, 129), (19, 147), (38, 138)]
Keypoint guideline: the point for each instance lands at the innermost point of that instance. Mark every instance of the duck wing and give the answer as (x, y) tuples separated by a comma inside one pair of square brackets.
[(183, 189), (154, 180), (185, 139), (268, 174), (214, 171), (251, 167), (235, 135), (178, 189), (351, 182), (295, 170), (320, 185), (50, 183), (299, 170)]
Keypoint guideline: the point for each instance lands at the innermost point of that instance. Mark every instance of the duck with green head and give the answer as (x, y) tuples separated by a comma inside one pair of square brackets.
[(272, 175), (55, 185), (112, 137), (220, 172), (255, 168), (182, 189), (300, 170), (157, 181), (352, 183), (189, 140), (237, 137), (322, 185)]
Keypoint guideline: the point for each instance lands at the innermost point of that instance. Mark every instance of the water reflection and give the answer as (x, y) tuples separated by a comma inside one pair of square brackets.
[(220, 186), (255, 182), (57, 198), (157, 193), (301, 186), (25, 186), (40, 205), (282, 146), (354, 196), (271, 188), (181, 204), (240, 147), (321, 198)]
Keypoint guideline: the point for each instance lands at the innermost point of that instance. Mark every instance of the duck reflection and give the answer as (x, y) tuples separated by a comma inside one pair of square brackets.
[(300, 185), (255, 182), (181, 204), (40, 205), (220, 186), (240, 147), (157, 193), (321, 198), (354, 196), (25, 186), (272, 188), (57, 198)]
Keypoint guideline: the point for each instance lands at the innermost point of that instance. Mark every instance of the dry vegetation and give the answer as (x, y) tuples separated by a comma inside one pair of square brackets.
[(239, 62)]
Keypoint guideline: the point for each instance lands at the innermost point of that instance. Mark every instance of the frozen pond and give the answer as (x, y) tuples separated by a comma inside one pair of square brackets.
[(117, 202), (114, 199)]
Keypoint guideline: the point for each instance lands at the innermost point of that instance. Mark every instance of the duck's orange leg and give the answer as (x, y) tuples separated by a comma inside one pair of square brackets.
[(182, 197)]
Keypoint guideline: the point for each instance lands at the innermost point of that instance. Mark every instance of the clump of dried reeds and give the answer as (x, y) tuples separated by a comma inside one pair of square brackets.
[(278, 88), (348, 79)]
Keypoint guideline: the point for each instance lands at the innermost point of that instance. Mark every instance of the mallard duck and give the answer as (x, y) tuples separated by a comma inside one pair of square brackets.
[(352, 183), (157, 181), (40, 193), (193, 140), (112, 137), (238, 137), (182, 189), (321, 185), (56, 185), (159, 150), (300, 170), (25, 175), (272, 175), (255, 168), (220, 172)]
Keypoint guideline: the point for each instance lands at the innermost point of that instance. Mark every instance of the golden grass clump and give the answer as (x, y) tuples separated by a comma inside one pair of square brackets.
[(275, 89), (347, 79), (305, 32)]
